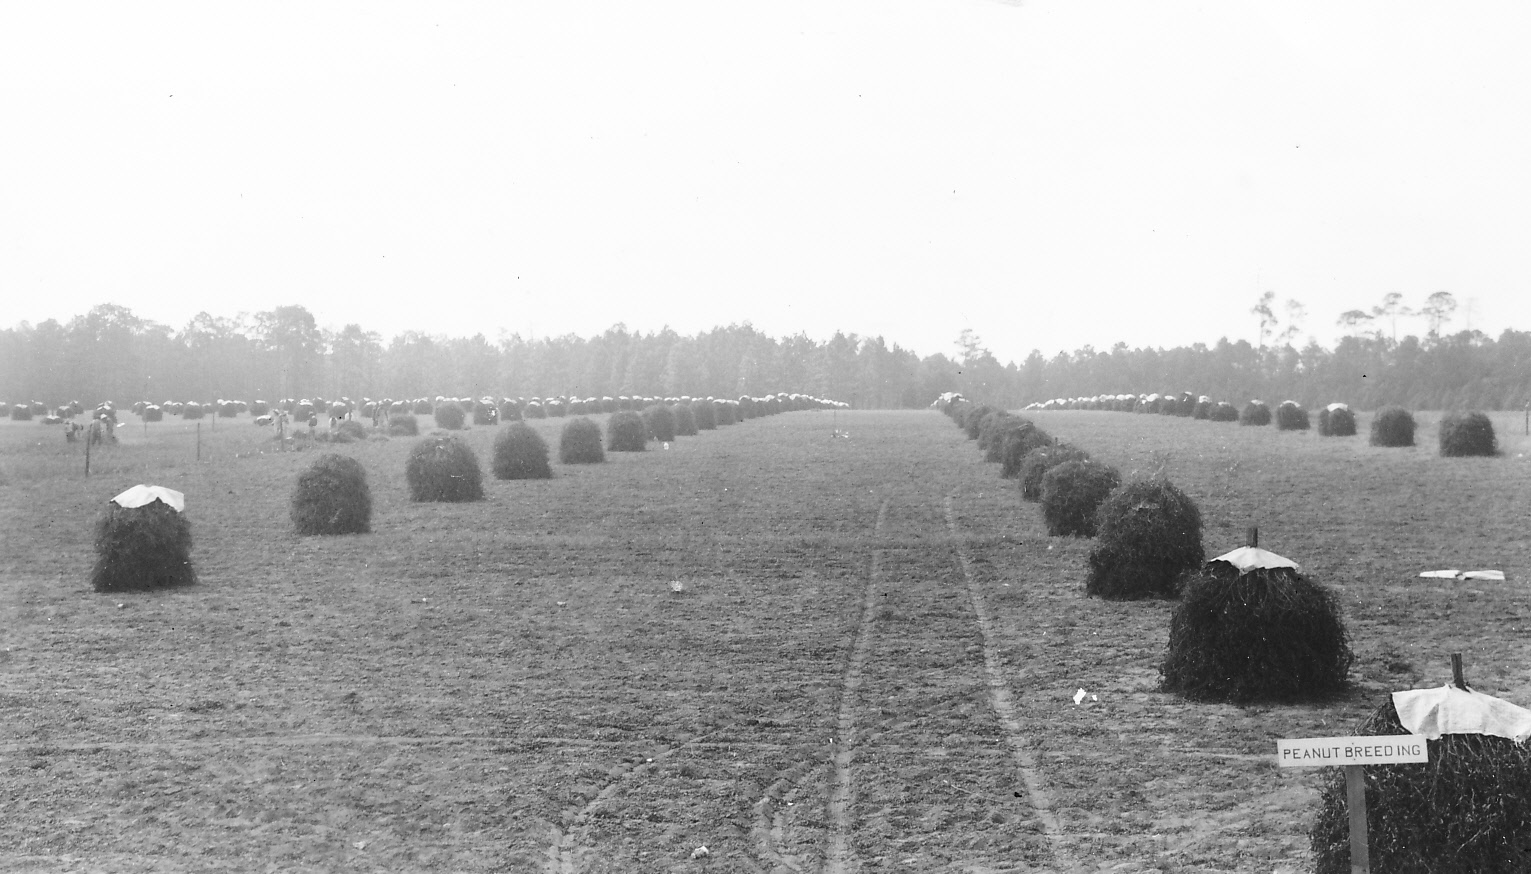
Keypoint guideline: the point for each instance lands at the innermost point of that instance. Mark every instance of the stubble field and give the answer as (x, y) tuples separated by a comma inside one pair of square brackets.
[(870, 665)]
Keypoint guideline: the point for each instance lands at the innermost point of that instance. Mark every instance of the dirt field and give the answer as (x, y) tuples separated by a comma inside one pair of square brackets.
[(870, 665)]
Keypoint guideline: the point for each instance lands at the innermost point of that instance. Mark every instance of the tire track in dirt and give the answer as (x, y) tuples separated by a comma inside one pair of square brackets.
[(1004, 708), (840, 859), (770, 826)]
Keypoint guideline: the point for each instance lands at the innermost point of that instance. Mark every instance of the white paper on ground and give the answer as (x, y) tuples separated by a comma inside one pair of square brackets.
[(140, 495), (1454, 574), (1449, 710)]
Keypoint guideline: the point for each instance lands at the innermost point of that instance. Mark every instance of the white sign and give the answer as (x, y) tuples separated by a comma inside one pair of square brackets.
[(1317, 752)]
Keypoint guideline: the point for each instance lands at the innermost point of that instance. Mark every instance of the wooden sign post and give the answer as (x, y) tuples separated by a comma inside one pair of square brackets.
[(1352, 753)]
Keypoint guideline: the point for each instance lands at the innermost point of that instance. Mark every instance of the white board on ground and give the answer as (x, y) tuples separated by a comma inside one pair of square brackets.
[(1318, 752)]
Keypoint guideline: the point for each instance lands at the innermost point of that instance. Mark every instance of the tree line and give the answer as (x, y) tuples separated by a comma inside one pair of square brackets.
[(1371, 366), (1465, 370), (110, 353)]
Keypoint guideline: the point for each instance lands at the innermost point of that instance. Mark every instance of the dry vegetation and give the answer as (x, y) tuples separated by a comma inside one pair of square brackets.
[(516, 685)]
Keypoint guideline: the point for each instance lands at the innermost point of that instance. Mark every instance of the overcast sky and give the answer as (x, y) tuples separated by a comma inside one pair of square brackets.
[(1048, 173)]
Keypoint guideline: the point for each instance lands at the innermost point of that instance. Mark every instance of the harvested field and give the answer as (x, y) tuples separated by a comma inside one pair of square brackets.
[(870, 664)]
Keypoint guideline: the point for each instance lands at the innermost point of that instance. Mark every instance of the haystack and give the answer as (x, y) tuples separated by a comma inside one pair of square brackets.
[(1255, 413), (1336, 420), (350, 431), (659, 419), (1393, 426), (1149, 534), (957, 411), (1467, 434), (1250, 627), (1015, 447), (993, 442), (143, 541), (332, 497), (1291, 416), (580, 442), (450, 416), (1467, 809), (1071, 494), (1039, 461), (972, 419), (443, 468), (626, 432), (685, 420), (991, 434), (521, 453)]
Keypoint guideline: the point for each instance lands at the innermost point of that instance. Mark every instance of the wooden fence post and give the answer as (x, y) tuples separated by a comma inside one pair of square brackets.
[(1355, 800)]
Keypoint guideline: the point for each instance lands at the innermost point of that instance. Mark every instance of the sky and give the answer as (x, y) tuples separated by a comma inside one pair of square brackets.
[(1050, 174)]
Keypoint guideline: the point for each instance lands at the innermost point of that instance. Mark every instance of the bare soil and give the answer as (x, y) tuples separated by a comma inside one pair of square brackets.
[(870, 665)]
